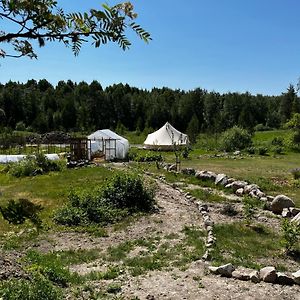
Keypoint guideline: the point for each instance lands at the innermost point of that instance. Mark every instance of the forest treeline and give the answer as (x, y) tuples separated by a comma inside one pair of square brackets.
[(41, 107)]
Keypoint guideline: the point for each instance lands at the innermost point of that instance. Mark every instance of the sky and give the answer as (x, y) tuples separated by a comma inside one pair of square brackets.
[(217, 45)]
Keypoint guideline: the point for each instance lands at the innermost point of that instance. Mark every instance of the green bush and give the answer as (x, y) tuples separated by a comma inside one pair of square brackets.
[(70, 216), (291, 234), (251, 150), (51, 268), (262, 127), (296, 173), (277, 141), (278, 150), (128, 191), (35, 289), (235, 138), (46, 164), (148, 157), (262, 150), (121, 196), (33, 165), (16, 212)]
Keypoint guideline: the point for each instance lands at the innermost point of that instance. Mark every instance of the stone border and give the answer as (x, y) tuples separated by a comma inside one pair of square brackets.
[(266, 274)]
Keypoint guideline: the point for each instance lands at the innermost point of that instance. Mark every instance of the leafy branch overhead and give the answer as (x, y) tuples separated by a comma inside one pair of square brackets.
[(43, 21)]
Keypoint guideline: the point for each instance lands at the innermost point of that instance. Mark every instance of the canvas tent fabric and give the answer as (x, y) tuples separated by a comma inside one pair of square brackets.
[(165, 138), (111, 144)]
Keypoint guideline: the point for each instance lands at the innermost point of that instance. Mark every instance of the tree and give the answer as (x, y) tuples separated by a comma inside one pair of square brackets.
[(43, 21), (288, 103), (193, 129)]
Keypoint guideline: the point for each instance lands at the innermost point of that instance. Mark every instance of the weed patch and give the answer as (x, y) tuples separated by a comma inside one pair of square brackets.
[(241, 245)]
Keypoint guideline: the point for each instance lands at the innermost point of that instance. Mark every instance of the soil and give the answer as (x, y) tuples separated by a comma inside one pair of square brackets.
[(173, 214)]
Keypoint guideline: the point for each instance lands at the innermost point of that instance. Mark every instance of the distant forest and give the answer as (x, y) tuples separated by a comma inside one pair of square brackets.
[(40, 107)]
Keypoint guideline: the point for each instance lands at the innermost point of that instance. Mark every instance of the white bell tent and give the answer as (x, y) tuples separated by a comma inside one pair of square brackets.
[(165, 138), (112, 145)]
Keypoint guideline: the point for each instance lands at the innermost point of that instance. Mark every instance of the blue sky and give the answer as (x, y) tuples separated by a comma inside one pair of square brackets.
[(221, 45)]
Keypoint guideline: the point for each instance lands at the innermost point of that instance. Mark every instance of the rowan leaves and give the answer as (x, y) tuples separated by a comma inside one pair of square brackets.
[(44, 21)]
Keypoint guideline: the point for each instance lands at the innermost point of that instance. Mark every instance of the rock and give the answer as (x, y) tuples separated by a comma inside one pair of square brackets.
[(221, 179), (211, 240), (270, 198), (294, 211), (209, 228), (239, 192), (260, 194), (231, 180), (286, 213), (203, 207), (242, 274), (225, 270), (208, 222), (237, 152), (268, 274), (253, 194), (280, 202), (254, 277), (296, 219), (296, 277), (188, 171), (284, 279), (248, 188), (236, 185), (206, 175), (172, 168)]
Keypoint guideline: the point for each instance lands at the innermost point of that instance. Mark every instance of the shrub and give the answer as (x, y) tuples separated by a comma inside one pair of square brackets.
[(185, 152), (251, 150), (149, 157), (262, 127), (296, 173), (128, 191), (16, 212), (277, 141), (70, 216), (35, 289), (278, 150), (249, 209), (122, 195), (25, 167), (291, 234), (33, 165), (46, 164), (262, 150), (20, 126), (235, 138)]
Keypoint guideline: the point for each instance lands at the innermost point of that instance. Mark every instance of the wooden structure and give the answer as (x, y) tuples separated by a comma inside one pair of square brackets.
[(79, 149)]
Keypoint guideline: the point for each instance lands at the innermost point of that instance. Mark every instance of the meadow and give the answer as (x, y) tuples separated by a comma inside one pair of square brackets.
[(156, 250)]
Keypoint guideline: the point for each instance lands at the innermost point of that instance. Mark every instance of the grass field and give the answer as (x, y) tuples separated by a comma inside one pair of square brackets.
[(156, 251), (50, 190)]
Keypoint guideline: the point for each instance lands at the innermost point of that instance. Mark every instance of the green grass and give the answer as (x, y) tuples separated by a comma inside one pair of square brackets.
[(135, 138), (159, 254), (49, 190), (264, 138), (271, 173), (207, 196), (243, 246), (64, 258)]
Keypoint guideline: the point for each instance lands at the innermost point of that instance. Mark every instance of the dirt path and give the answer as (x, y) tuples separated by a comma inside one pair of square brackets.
[(175, 213)]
